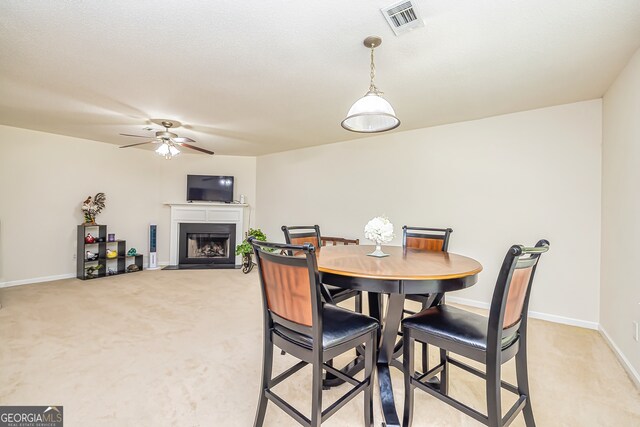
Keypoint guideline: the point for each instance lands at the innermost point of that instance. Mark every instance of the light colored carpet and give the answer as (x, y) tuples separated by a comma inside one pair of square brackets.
[(183, 348)]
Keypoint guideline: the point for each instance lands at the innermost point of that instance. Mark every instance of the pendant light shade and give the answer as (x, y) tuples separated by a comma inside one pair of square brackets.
[(371, 113)]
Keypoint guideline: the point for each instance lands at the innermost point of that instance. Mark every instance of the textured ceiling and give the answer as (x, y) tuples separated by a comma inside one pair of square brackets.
[(256, 76)]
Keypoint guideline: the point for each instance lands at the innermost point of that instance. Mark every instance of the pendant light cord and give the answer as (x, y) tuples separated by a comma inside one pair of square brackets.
[(372, 85)]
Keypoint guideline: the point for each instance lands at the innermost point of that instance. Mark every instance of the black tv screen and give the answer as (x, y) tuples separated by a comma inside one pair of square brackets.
[(207, 188)]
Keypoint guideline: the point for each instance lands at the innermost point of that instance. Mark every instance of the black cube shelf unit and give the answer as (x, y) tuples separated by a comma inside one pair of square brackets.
[(118, 264)]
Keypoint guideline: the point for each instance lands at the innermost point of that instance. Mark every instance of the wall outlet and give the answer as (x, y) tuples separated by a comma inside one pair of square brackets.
[(635, 331)]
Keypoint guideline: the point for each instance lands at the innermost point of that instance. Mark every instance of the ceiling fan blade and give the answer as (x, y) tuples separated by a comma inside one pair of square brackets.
[(193, 147), (139, 143), (137, 136), (182, 139)]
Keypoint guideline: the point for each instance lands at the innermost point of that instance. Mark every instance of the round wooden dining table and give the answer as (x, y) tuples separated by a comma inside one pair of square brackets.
[(403, 272)]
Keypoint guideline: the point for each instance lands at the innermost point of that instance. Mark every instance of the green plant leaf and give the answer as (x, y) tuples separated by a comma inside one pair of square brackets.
[(245, 248)]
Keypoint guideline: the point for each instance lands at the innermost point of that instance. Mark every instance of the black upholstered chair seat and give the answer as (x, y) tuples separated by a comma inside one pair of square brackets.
[(339, 326), (455, 325), (452, 324)]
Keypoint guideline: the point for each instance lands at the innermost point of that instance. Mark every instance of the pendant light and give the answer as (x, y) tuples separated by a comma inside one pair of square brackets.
[(371, 113)]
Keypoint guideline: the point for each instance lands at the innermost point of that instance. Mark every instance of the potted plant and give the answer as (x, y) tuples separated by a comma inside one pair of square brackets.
[(246, 250)]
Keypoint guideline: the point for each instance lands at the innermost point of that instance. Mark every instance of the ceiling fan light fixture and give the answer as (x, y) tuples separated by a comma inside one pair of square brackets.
[(371, 113), (167, 140), (167, 150), (163, 149)]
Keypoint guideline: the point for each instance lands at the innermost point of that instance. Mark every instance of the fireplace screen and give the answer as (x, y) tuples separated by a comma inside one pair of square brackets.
[(207, 245), (211, 245)]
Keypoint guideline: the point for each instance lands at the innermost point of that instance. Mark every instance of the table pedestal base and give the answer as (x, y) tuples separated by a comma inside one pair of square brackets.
[(392, 319)]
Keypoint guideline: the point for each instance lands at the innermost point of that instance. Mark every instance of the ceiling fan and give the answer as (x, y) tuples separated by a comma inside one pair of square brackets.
[(169, 141)]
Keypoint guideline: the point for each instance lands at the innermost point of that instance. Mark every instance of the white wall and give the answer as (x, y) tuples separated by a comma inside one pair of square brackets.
[(45, 177), (498, 181), (620, 290)]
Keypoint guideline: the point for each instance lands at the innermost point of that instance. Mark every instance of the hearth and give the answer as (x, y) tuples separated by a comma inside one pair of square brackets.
[(206, 245)]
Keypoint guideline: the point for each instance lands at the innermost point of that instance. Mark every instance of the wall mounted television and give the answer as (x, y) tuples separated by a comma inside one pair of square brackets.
[(209, 188)]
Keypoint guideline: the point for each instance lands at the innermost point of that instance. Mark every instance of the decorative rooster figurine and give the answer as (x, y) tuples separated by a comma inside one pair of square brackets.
[(91, 208)]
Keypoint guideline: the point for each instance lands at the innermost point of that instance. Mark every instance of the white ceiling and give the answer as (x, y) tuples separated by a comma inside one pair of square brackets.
[(253, 77)]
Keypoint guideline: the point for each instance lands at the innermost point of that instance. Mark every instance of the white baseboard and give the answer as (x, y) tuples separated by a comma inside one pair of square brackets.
[(621, 357), (534, 314), (159, 267), (466, 301), (36, 280), (10, 283), (161, 264), (565, 320)]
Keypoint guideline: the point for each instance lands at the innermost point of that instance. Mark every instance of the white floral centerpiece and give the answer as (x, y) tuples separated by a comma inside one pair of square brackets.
[(379, 230)]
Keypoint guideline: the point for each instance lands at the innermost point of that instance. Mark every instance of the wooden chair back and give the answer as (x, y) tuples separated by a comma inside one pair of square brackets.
[(290, 285), (426, 239), (301, 234), (509, 305)]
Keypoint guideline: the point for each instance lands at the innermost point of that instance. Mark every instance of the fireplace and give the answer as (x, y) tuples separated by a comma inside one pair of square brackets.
[(207, 245), (225, 214)]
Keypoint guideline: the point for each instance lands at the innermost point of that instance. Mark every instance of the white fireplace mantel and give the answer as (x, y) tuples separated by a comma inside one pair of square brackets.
[(203, 213)]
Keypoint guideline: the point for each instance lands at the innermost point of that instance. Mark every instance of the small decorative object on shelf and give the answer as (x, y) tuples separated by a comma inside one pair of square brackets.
[(132, 252), (92, 271), (132, 267), (112, 254), (91, 256), (379, 230), (246, 250), (111, 237), (111, 272), (89, 238), (91, 208)]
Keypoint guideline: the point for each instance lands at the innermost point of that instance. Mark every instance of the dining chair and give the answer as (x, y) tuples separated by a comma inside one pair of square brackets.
[(490, 341), (425, 239), (297, 321), (301, 234)]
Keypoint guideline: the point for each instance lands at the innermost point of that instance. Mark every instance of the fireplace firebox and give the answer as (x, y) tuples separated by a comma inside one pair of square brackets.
[(207, 245)]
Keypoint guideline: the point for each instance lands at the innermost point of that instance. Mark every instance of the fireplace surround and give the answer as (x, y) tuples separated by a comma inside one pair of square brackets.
[(219, 214)]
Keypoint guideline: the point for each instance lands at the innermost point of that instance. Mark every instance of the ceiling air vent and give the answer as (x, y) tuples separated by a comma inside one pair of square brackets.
[(402, 17)]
